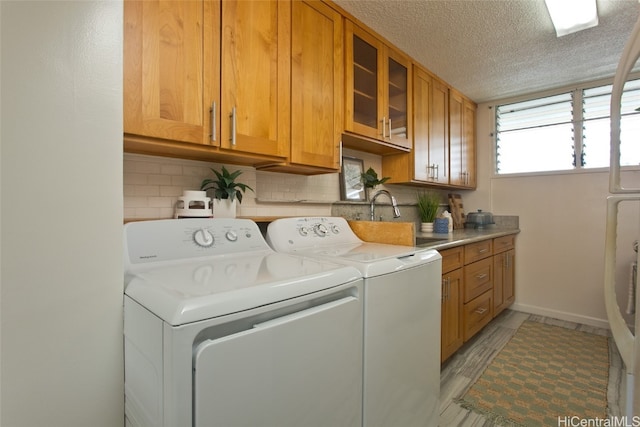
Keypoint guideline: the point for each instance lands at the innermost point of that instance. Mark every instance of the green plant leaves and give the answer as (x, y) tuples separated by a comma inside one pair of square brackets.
[(370, 179), (224, 186), (428, 203)]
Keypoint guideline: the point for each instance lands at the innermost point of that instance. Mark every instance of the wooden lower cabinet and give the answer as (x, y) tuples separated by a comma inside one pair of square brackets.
[(478, 288), (478, 278), (477, 284), (504, 259), (451, 308), (477, 314)]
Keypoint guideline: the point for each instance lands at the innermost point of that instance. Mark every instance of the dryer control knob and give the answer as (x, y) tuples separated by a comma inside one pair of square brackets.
[(231, 236), (203, 237), (321, 230), (335, 229), (303, 231)]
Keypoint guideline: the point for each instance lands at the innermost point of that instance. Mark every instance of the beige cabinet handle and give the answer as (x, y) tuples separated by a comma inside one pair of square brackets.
[(213, 121), (233, 126), (481, 310)]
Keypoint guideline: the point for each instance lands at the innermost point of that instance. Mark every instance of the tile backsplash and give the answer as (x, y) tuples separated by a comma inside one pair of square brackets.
[(153, 184)]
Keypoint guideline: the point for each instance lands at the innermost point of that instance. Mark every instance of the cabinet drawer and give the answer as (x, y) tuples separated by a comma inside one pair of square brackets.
[(478, 278), (477, 314), (476, 251), (504, 243), (452, 259)]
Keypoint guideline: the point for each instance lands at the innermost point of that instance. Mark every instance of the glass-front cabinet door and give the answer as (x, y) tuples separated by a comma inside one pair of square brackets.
[(398, 103), (365, 83), (378, 87), (364, 72)]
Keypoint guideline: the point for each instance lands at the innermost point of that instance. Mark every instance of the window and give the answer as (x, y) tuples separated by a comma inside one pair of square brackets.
[(540, 134)]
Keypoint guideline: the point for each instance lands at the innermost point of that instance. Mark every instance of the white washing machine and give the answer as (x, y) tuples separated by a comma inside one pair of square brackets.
[(401, 316), (220, 330)]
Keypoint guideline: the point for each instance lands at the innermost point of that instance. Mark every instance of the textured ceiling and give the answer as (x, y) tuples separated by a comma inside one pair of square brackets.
[(495, 49)]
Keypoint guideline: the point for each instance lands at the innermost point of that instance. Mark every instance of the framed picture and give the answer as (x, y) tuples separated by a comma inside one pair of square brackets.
[(351, 186)]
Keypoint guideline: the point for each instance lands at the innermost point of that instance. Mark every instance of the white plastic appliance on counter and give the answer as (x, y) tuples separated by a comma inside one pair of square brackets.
[(627, 343), (402, 289), (194, 204)]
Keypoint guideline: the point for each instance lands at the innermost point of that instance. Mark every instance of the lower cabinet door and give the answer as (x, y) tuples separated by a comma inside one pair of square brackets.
[(477, 314), (451, 322)]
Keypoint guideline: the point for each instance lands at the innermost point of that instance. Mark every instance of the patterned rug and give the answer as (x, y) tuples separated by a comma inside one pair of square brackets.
[(543, 372)]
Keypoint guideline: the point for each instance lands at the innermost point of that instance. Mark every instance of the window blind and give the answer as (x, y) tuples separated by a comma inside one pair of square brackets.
[(539, 134), (535, 135)]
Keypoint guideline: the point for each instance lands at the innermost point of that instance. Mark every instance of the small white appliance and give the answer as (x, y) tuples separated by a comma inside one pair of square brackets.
[(220, 330), (401, 316), (194, 204)]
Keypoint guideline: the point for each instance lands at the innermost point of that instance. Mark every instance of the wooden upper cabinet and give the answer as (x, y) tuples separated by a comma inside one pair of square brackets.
[(462, 140), (422, 86), (255, 78), (427, 163), (469, 142), (171, 54), (378, 87), (317, 75), (398, 108), (438, 166), (208, 80)]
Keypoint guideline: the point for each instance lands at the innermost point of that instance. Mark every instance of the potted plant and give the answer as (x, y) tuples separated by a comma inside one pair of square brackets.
[(428, 203), (370, 179), (225, 192)]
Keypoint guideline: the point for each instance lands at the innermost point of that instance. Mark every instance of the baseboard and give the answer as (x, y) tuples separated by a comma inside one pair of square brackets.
[(561, 315)]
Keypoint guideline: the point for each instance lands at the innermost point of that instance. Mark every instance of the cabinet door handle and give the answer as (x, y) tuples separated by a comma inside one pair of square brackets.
[(384, 127), (213, 121), (233, 126), (389, 127), (481, 276), (444, 289), (483, 250), (481, 310)]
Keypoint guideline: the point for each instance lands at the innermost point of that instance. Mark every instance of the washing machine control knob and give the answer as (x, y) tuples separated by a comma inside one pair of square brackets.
[(335, 229), (203, 237), (231, 236), (303, 231), (321, 230)]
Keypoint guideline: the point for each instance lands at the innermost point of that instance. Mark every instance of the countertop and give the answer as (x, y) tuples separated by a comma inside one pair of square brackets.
[(462, 236)]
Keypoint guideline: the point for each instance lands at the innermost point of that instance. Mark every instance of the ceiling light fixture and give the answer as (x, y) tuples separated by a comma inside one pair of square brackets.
[(569, 16)]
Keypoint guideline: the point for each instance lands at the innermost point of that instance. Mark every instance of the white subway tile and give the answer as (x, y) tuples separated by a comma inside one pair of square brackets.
[(155, 179), (147, 190)]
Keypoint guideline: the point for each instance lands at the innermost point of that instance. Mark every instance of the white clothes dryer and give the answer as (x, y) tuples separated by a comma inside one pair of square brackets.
[(220, 330), (402, 289)]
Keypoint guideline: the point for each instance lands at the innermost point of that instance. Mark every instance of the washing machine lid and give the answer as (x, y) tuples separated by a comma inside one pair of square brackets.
[(372, 259), (193, 291), (331, 239)]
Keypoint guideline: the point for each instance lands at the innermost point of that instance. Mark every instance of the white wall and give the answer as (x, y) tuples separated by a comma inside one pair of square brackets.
[(560, 250), (61, 216)]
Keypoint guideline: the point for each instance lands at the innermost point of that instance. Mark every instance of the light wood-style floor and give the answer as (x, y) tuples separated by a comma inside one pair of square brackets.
[(470, 361)]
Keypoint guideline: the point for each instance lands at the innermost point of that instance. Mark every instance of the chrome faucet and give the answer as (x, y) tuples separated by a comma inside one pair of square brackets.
[(396, 211)]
